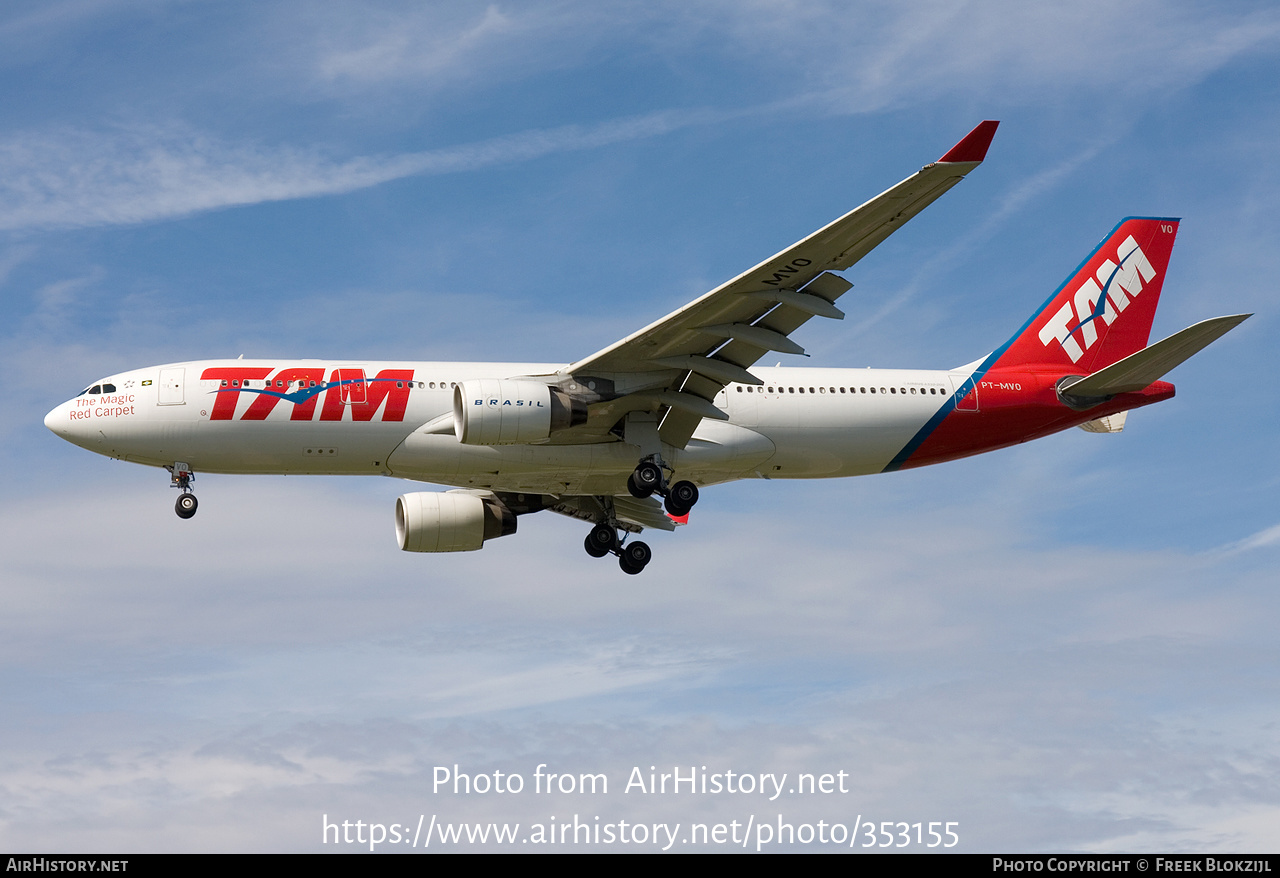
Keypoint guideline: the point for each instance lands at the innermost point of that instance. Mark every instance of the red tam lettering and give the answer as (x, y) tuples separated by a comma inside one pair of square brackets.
[(224, 405), (366, 396), (305, 410)]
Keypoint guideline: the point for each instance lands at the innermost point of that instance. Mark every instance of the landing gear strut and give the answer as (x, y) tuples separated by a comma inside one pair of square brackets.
[(603, 540), (181, 476)]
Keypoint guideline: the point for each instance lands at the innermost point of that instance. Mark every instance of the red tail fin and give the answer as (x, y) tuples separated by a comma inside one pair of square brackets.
[(1103, 313)]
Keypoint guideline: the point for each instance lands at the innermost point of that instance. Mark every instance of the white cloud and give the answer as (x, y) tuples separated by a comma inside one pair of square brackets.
[(878, 55), (133, 175), (856, 61), (1261, 540), (853, 57)]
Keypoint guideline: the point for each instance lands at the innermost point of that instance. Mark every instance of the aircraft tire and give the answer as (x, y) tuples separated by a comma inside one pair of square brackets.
[(681, 498), (186, 505), (634, 557), (635, 490), (645, 480), (601, 541)]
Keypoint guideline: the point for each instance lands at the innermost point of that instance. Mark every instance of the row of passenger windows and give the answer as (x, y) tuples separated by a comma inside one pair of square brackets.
[(281, 383), (932, 391)]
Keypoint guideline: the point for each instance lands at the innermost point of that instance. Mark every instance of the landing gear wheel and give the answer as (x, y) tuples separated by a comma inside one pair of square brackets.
[(634, 557), (645, 480), (186, 505), (681, 498), (602, 540)]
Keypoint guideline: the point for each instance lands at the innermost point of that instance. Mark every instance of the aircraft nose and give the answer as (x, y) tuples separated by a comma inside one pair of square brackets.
[(59, 421)]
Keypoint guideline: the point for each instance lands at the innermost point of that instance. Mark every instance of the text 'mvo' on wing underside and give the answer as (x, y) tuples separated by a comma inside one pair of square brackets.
[(712, 341)]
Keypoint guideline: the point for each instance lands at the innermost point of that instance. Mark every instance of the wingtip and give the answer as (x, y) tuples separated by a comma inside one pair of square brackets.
[(973, 148)]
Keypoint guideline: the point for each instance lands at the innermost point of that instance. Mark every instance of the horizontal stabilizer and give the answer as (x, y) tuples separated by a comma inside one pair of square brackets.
[(1139, 370)]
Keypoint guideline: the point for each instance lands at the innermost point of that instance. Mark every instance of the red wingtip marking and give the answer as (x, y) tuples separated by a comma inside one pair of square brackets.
[(683, 519), (974, 146)]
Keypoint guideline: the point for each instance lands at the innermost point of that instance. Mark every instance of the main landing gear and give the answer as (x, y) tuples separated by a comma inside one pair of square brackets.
[(603, 540), (649, 479), (181, 476)]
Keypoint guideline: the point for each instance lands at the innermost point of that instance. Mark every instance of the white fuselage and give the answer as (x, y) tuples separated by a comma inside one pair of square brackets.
[(801, 423)]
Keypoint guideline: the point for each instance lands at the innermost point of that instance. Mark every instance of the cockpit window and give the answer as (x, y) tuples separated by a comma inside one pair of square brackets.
[(98, 388)]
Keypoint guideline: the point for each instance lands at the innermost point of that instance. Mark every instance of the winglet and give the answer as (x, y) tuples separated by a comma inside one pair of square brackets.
[(974, 146)]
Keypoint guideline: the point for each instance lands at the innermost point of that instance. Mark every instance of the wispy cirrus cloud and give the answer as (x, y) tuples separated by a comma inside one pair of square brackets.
[(1263, 539), (79, 178), (855, 57)]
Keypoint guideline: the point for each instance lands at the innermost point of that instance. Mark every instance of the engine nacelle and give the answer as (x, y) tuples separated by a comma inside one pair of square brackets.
[(493, 412), (451, 522)]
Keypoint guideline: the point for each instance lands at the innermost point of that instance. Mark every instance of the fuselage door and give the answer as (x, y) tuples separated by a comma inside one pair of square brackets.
[(170, 391), (966, 391), (352, 388)]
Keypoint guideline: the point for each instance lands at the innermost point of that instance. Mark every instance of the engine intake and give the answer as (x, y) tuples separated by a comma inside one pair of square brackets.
[(494, 412), (428, 521)]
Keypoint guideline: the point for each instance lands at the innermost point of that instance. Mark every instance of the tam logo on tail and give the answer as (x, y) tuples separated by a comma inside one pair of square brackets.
[(1120, 283), (1104, 311)]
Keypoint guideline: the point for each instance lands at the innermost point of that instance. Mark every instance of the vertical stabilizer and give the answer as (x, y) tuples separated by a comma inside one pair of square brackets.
[(1103, 313)]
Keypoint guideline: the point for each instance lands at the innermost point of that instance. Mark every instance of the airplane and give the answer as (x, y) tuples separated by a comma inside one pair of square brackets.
[(673, 408)]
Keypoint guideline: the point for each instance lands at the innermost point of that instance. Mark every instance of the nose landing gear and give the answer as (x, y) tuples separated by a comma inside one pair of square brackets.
[(181, 476)]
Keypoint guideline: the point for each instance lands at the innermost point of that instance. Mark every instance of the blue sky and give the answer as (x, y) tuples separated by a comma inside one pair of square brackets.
[(1064, 646)]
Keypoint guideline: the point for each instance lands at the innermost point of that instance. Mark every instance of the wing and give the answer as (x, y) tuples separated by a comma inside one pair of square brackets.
[(681, 362)]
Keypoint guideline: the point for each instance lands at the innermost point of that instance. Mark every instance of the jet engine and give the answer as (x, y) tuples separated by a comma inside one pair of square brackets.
[(493, 412), (455, 521)]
